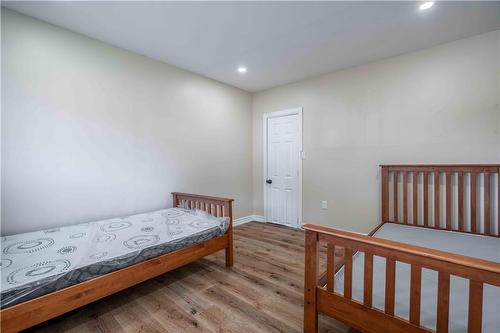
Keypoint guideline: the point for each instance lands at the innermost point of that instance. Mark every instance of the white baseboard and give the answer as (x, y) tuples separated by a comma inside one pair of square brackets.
[(246, 219)]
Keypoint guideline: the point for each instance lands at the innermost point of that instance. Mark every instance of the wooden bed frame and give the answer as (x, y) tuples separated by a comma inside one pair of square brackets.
[(319, 294), (43, 308)]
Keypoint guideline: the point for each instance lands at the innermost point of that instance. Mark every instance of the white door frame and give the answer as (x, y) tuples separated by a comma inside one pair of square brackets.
[(266, 116)]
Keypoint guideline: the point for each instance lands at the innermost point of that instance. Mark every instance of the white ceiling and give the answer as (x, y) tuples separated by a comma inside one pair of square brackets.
[(279, 42)]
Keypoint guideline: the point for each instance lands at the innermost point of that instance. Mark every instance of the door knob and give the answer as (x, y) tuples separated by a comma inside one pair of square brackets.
[(269, 181)]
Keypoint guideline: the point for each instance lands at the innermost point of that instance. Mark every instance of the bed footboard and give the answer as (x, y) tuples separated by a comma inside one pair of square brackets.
[(319, 298), (216, 206)]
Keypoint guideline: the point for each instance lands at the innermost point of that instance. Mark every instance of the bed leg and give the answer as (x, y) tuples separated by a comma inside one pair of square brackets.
[(229, 248), (310, 282), (229, 257)]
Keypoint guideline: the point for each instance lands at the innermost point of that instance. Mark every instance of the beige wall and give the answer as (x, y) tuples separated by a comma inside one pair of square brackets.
[(439, 105), (90, 131)]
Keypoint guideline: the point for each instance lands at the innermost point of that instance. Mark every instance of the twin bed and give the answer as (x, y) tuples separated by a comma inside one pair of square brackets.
[(432, 265), (50, 272)]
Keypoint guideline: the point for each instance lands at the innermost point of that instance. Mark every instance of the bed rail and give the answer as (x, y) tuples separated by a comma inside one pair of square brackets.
[(455, 197), (362, 315)]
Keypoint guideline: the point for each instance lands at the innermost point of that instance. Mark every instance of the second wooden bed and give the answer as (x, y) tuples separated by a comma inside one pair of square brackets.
[(461, 211)]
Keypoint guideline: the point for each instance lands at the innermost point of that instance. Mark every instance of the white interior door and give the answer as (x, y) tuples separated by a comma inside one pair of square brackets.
[(283, 152)]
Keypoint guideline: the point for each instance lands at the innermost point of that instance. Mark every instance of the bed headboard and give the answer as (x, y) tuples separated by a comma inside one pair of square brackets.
[(461, 197), (213, 205)]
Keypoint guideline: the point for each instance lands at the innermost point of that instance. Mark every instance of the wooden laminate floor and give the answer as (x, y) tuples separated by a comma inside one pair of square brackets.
[(261, 293)]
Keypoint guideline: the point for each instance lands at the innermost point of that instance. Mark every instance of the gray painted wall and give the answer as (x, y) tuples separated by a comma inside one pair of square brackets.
[(90, 131)]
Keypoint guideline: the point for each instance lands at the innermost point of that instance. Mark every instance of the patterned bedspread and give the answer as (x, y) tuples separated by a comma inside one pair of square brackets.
[(37, 263)]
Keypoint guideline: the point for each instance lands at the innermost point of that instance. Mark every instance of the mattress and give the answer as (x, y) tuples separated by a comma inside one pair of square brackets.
[(37, 263), (478, 246)]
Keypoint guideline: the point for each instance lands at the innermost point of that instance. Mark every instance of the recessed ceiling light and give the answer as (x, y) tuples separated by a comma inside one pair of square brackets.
[(242, 69), (426, 5)]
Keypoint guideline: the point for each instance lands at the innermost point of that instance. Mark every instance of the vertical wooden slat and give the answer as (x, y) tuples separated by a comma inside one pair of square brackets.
[(396, 196), (487, 218), (473, 201), (448, 201), (415, 286), (437, 186), (390, 279), (330, 267), (498, 203), (368, 280), (348, 273), (475, 306), (310, 282), (426, 198), (405, 197), (461, 226), (385, 194), (443, 302), (415, 197)]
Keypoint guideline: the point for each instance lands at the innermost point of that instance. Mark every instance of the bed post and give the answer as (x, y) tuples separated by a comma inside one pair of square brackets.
[(384, 184), (175, 200), (310, 282), (229, 233)]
